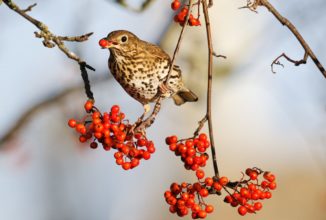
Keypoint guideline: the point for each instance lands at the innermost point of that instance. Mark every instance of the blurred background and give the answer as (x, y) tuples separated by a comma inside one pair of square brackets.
[(273, 121)]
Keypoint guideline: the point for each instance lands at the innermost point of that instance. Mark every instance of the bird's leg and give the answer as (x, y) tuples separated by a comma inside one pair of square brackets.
[(164, 90), (147, 108)]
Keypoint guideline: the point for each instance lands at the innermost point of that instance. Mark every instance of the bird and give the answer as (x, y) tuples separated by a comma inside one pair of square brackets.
[(141, 68)]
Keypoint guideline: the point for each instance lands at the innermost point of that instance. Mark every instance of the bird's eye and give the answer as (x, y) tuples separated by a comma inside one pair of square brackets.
[(124, 39)]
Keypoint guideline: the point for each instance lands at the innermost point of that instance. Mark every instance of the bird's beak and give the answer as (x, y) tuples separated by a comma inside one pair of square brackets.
[(106, 44)]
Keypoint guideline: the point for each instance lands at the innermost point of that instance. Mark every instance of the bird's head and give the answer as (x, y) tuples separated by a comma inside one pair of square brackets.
[(120, 41)]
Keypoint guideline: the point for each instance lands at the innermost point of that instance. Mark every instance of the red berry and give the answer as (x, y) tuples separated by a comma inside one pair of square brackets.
[(103, 43), (194, 22), (269, 176), (134, 162), (115, 109), (228, 199), (203, 192), (258, 206), (245, 192), (146, 155), (82, 139), (167, 194), (200, 174), (126, 165), (242, 210), (209, 208), (268, 195), (72, 123), (171, 200), (88, 105), (272, 185), (81, 128), (217, 186), (253, 175), (173, 147), (171, 140), (189, 143), (119, 161), (209, 181), (175, 5), (172, 209), (223, 181), (202, 214), (93, 145), (264, 184), (202, 137)]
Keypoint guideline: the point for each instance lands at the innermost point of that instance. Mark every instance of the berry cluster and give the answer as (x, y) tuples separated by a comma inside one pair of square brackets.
[(183, 197), (247, 193), (112, 131), (181, 16), (192, 150)]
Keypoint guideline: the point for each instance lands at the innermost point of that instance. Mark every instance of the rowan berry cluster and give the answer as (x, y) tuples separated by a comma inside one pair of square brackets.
[(192, 151), (247, 193), (112, 132), (182, 198), (182, 14)]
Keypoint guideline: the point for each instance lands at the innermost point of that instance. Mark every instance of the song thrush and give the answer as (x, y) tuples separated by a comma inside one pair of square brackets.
[(141, 69)]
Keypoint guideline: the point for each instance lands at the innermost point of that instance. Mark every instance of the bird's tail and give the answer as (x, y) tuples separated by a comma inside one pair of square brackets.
[(184, 96)]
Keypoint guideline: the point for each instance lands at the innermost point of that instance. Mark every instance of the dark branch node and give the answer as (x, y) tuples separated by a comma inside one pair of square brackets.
[(84, 75)]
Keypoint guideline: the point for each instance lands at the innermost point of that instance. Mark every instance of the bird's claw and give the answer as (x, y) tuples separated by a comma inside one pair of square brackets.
[(164, 89)]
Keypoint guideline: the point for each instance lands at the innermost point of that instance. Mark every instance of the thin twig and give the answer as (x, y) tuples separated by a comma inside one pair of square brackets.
[(252, 5), (29, 8), (209, 85)]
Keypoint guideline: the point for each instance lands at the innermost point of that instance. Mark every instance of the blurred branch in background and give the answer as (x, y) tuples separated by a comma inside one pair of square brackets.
[(32, 111), (144, 5), (253, 5)]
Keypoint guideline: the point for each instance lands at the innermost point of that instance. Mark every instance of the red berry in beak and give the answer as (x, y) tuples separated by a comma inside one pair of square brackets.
[(103, 43)]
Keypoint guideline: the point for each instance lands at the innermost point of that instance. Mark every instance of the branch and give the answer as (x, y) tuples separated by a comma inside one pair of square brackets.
[(25, 117), (253, 4), (30, 113), (142, 8), (209, 85), (49, 39)]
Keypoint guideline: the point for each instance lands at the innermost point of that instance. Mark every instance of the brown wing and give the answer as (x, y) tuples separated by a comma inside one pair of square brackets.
[(155, 51)]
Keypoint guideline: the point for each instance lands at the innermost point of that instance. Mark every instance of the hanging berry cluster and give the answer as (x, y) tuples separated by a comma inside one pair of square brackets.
[(191, 151), (247, 192), (186, 197), (112, 132), (182, 14)]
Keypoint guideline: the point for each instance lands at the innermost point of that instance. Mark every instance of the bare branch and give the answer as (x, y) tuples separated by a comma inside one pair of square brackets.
[(209, 85), (29, 114), (142, 8), (49, 39), (253, 4)]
